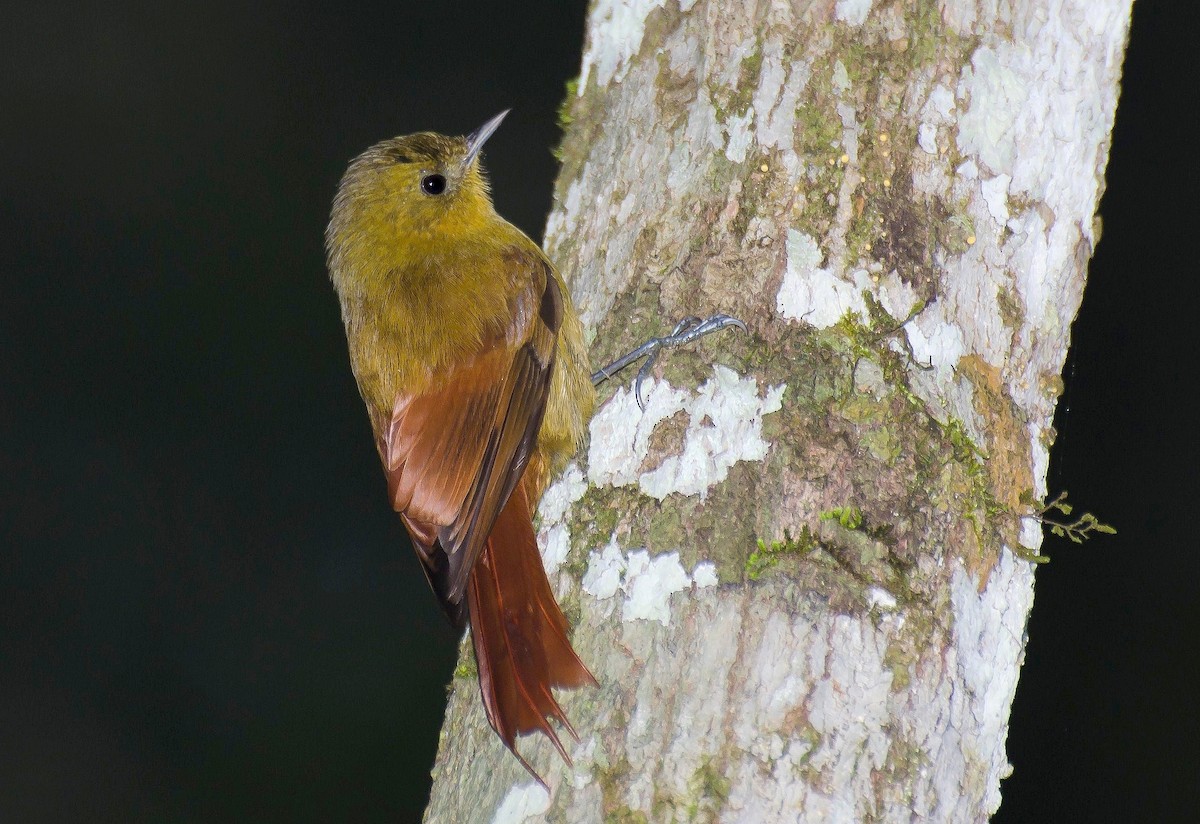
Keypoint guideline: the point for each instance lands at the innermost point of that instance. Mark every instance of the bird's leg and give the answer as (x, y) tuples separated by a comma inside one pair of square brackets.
[(686, 331)]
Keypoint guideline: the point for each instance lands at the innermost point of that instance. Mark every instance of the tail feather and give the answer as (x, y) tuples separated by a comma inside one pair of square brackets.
[(520, 634)]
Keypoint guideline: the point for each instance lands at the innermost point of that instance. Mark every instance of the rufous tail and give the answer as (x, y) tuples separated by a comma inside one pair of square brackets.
[(520, 634)]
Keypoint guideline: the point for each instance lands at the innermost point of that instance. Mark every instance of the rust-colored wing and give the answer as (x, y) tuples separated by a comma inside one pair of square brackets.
[(454, 455)]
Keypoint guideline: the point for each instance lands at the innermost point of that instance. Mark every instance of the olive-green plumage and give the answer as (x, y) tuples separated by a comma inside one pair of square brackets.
[(470, 359), (423, 280)]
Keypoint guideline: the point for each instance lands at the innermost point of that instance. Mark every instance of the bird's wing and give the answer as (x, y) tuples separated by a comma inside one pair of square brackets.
[(454, 455)]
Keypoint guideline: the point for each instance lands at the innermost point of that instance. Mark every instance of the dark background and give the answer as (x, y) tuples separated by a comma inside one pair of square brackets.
[(205, 610)]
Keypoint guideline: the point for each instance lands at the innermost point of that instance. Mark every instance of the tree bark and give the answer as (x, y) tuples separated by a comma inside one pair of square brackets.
[(801, 576)]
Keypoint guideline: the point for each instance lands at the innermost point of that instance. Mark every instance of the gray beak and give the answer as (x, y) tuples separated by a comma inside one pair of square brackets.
[(477, 138)]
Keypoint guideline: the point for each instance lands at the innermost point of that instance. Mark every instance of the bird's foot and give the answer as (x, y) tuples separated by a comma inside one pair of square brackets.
[(686, 331)]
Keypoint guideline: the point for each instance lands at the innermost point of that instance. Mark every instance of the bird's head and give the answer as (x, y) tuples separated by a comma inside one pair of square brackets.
[(410, 191)]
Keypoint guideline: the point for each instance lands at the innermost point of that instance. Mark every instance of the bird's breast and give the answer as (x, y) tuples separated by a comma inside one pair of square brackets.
[(416, 323)]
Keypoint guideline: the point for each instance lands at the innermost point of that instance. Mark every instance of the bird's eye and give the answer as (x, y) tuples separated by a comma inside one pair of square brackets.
[(433, 184)]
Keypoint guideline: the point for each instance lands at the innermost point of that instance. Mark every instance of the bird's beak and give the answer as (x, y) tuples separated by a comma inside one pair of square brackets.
[(477, 138)]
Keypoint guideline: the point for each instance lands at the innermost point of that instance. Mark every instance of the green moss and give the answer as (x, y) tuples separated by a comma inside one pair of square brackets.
[(864, 231), (894, 433), (748, 79), (927, 34), (860, 408), (820, 129), (674, 93), (957, 232), (850, 545), (892, 459), (1011, 311), (660, 23), (709, 533), (728, 102), (711, 782), (709, 789), (610, 778), (564, 108), (756, 190), (583, 116), (883, 443), (965, 450), (819, 135), (600, 512), (905, 762), (665, 531), (968, 485), (767, 555), (850, 517), (692, 367), (563, 116), (899, 658), (929, 478), (889, 222)]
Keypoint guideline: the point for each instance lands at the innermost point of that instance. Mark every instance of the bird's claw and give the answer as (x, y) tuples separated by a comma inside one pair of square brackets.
[(687, 330)]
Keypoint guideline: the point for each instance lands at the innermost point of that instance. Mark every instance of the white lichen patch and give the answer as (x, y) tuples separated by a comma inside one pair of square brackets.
[(1041, 465), (555, 546), (725, 418), (814, 294), (649, 584), (562, 494), (934, 340), (850, 132), (935, 112), (778, 683), (705, 575), (646, 581), (1034, 113), (927, 138), (554, 536), (621, 432), (995, 195), (880, 598), (605, 568), (990, 628), (616, 28), (1031, 532), (584, 755), (852, 12), (818, 699), (737, 127), (781, 82), (940, 104), (524, 804), (897, 297), (849, 707), (997, 93), (840, 77)]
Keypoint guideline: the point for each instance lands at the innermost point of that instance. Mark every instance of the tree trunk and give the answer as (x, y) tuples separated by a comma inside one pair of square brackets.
[(801, 574)]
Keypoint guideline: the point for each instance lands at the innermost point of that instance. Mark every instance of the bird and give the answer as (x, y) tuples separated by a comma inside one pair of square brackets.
[(469, 357)]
